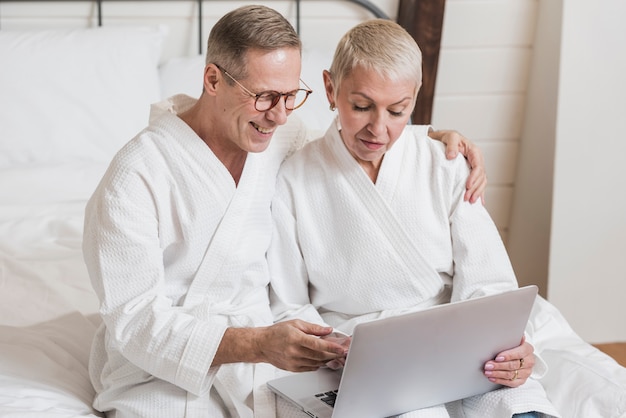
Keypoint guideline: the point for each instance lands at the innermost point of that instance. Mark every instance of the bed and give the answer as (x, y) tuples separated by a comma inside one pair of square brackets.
[(68, 100)]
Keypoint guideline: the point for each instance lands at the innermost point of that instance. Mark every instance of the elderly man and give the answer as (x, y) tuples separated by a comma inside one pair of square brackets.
[(176, 235)]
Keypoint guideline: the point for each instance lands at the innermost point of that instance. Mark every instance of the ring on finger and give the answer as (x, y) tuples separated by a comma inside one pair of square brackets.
[(514, 375), (521, 363)]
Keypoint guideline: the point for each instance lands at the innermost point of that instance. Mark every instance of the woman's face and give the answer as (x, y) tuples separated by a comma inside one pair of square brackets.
[(373, 111)]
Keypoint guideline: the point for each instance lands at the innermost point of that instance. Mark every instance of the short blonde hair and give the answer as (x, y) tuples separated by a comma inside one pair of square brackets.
[(380, 45), (246, 28)]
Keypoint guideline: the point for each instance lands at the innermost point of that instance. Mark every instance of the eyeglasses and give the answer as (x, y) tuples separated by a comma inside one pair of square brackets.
[(266, 100)]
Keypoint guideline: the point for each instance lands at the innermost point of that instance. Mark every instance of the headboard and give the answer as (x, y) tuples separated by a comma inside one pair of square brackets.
[(423, 19)]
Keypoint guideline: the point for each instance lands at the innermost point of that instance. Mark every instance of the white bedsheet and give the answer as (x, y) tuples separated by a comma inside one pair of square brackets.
[(48, 310)]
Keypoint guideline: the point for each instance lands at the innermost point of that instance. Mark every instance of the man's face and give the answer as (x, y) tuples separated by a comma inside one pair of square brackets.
[(247, 128)]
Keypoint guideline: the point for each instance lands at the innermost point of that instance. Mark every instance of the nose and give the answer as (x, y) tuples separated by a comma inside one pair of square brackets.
[(377, 123), (278, 114)]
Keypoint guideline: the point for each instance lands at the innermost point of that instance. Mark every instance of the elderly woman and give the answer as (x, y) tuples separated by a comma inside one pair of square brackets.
[(371, 220)]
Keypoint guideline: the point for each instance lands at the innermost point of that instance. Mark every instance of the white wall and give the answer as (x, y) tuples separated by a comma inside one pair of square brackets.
[(481, 86), (531, 213), (588, 241), (584, 200)]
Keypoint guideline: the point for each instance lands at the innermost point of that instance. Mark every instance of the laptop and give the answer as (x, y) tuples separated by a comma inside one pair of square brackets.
[(416, 360)]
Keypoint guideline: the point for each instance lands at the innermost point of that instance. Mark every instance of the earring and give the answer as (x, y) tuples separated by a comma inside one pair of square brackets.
[(332, 107)]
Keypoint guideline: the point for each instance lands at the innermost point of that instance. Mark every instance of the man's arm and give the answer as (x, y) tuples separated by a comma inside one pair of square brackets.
[(455, 143), (291, 345)]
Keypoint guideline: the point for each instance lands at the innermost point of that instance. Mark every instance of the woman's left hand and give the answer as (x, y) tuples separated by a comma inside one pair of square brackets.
[(512, 367)]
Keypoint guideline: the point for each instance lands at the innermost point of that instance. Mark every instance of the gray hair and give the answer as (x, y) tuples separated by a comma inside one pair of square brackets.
[(380, 45), (245, 28)]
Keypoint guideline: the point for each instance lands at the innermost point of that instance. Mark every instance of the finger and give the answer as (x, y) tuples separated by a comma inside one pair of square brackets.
[(335, 364), (452, 140), (509, 378), (475, 186), (521, 351), (312, 329), (473, 154), (303, 359), (323, 350), (452, 148)]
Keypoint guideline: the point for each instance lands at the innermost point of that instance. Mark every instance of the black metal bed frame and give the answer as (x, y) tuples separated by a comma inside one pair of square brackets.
[(366, 4)]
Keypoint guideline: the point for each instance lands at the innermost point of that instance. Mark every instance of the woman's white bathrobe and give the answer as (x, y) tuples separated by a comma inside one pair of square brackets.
[(346, 250), (176, 254)]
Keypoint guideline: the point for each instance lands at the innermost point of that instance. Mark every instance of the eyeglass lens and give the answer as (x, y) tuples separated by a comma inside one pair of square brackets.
[(293, 100)]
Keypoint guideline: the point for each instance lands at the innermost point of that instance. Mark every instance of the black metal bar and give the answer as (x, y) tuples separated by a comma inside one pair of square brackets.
[(298, 17), (200, 36), (372, 8)]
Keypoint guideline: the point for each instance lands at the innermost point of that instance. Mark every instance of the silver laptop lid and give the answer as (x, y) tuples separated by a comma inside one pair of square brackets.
[(429, 357)]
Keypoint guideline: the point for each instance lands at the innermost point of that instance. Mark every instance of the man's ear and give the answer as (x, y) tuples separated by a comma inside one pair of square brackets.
[(212, 77)]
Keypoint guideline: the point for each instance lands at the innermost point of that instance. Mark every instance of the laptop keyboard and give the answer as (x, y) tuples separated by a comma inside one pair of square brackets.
[(328, 397)]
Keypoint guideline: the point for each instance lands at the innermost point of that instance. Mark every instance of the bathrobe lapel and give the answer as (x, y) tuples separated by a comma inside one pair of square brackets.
[(374, 201), (228, 232)]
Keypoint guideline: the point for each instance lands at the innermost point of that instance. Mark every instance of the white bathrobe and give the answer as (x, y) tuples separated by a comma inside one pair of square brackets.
[(176, 254), (346, 250)]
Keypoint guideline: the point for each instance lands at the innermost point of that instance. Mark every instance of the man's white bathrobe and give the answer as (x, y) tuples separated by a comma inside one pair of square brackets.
[(346, 250), (176, 254)]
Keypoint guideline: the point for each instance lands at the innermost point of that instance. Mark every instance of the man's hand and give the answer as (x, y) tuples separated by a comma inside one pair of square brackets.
[(455, 143), (291, 345)]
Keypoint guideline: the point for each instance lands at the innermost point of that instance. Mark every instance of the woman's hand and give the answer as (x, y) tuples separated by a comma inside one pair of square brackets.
[(455, 143), (512, 367), (344, 341)]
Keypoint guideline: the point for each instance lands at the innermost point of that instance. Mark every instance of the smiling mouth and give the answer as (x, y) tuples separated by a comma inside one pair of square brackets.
[(261, 129)]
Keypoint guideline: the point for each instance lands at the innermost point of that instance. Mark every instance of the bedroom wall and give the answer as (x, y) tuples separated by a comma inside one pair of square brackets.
[(569, 219)]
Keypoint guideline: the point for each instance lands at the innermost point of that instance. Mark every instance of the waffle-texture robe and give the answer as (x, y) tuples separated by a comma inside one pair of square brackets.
[(346, 250), (176, 253)]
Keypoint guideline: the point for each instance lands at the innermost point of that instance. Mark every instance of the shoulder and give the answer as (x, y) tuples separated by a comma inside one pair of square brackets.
[(289, 137), (431, 148), (304, 159)]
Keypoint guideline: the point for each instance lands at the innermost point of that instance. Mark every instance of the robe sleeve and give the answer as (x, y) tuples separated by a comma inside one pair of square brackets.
[(289, 282), (481, 263), (126, 265)]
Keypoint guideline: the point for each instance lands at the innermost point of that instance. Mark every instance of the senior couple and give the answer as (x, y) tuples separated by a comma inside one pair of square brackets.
[(190, 225)]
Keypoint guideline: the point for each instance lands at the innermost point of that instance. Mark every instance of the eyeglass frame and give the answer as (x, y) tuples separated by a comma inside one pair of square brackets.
[(275, 94)]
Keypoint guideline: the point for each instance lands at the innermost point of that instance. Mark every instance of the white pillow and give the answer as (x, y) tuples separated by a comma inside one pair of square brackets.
[(75, 95), (182, 75)]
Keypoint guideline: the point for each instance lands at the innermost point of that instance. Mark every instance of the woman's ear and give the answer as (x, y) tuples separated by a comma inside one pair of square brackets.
[(330, 90)]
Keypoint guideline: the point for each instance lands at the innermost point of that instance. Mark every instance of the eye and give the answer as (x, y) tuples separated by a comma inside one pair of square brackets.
[(396, 114), (361, 108), (267, 96)]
